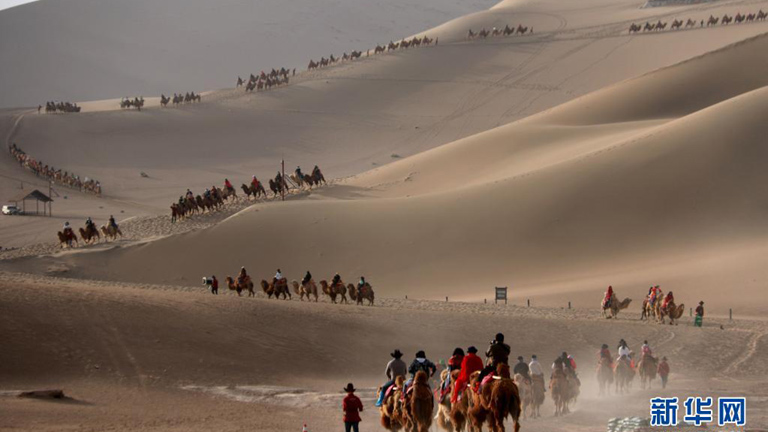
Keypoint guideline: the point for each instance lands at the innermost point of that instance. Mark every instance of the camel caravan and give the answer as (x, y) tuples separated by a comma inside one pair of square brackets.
[(265, 81), (403, 44), (62, 107), (63, 178), (495, 32), (473, 393), (620, 373), (690, 23), (214, 198), (89, 234), (178, 99), (128, 103), (279, 287), (656, 306)]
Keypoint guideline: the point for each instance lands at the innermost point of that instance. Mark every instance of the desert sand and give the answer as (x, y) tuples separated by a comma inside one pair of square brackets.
[(555, 163)]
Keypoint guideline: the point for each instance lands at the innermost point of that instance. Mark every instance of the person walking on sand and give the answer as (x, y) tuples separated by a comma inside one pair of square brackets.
[(352, 406), (699, 314), (214, 285), (395, 368), (663, 371)]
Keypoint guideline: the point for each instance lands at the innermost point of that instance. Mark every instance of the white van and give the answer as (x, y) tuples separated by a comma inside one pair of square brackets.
[(10, 210)]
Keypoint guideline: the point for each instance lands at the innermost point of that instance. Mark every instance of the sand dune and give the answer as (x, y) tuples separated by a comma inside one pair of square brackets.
[(583, 202)]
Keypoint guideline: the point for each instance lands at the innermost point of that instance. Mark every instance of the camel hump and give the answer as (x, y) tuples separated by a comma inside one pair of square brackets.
[(421, 377)]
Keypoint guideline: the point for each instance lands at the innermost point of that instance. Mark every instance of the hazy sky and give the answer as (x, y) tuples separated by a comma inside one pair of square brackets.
[(5, 4)]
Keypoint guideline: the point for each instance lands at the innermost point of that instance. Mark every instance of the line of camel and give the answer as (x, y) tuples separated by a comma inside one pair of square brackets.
[(690, 23)]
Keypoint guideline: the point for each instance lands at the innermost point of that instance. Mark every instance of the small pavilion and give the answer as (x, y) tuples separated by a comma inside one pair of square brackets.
[(39, 197)]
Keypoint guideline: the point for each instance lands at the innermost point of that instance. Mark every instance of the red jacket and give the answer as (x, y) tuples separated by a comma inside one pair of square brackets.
[(352, 407), (663, 369), (471, 363), (455, 362)]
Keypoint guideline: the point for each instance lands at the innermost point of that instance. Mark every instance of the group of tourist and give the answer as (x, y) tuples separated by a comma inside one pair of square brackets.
[(506, 31), (626, 355), (65, 107), (57, 176)]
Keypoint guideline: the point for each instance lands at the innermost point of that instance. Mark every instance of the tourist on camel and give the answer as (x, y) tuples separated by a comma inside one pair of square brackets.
[(670, 298), (521, 367), (395, 368), (420, 363), (228, 185), (307, 278), (469, 365), (623, 351), (498, 353), (454, 363), (608, 297)]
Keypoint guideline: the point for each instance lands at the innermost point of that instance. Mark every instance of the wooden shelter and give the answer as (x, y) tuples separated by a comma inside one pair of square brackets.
[(38, 197)]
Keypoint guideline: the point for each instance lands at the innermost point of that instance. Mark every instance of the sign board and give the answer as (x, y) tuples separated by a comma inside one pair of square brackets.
[(501, 294)]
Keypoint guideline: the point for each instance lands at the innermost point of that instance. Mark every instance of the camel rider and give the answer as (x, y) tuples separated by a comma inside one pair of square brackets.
[(605, 354), (243, 276), (521, 367), (420, 363), (646, 350), (299, 174), (454, 363), (207, 193), (667, 300), (537, 372), (557, 367), (278, 276), (255, 183), (361, 283), (623, 351), (181, 200), (469, 365), (67, 228), (315, 171), (307, 278), (336, 279), (395, 368), (112, 222), (654, 292), (228, 185), (89, 224), (279, 178), (608, 297), (498, 353), (190, 195)]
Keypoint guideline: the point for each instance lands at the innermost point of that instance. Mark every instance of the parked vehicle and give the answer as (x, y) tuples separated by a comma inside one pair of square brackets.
[(10, 210)]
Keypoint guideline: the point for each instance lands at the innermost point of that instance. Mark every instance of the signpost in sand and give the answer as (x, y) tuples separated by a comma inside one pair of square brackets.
[(501, 294)]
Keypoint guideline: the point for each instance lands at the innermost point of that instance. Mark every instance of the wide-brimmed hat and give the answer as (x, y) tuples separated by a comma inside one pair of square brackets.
[(520, 358), (421, 354), (472, 350), (534, 356), (396, 354), (349, 388), (701, 302)]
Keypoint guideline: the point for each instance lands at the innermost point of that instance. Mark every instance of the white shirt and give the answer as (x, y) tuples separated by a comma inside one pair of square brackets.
[(624, 351), (278, 275), (535, 367)]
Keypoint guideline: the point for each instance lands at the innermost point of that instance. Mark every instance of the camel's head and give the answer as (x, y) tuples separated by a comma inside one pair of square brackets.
[(229, 279), (474, 377), (502, 370), (399, 381), (421, 378)]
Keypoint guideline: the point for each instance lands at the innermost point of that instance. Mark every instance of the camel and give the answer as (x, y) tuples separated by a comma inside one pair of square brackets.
[(502, 399), (334, 291), (690, 23), (537, 395), (250, 191), (392, 409), (66, 239), (352, 291), (613, 310), (111, 232), (420, 403), (459, 414), (676, 24), (672, 311), (164, 101), (90, 235), (647, 370), (306, 289), (276, 289), (623, 375), (634, 28), (477, 413), (444, 402), (365, 292), (558, 385), (241, 285), (526, 395), (712, 21), (604, 376)]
